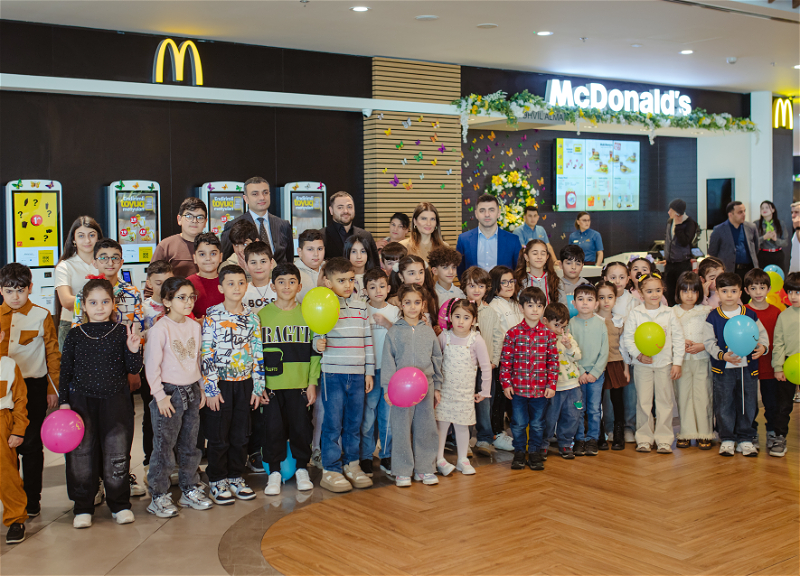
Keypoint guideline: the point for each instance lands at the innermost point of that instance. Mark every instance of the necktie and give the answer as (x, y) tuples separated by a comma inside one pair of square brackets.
[(262, 232)]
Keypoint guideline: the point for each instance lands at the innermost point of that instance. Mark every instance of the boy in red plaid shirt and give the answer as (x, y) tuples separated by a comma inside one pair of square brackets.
[(529, 373)]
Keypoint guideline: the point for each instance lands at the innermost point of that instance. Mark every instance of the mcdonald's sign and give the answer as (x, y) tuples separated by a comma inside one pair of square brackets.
[(178, 55), (782, 113)]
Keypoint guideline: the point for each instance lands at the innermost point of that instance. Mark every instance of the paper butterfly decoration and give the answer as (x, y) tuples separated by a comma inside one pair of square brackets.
[(419, 119), (544, 217), (395, 181), (442, 186), (475, 186), (119, 186), (474, 140), (488, 149), (512, 165), (417, 142), (384, 170), (225, 187), (492, 136), (434, 161), (404, 161), (476, 155), (380, 116), (152, 187), (502, 165), (34, 184), (509, 152), (320, 187), (480, 164), (435, 124), (563, 236), (554, 225), (476, 173), (407, 123), (540, 181), (524, 152), (536, 146), (520, 144), (388, 131), (418, 157), (434, 138), (442, 148), (422, 176), (469, 180), (485, 172), (399, 146), (527, 166), (466, 164), (524, 137), (50, 185), (296, 186), (238, 187), (481, 136), (136, 186), (408, 185)]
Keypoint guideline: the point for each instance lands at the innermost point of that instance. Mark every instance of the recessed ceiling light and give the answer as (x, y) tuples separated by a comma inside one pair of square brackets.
[(359, 8), (686, 52), (544, 33), (426, 17), (636, 45), (487, 25), (797, 67)]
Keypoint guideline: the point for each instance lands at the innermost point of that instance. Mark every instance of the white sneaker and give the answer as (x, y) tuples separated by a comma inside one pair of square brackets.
[(403, 481), (465, 467), (98, 498), (748, 449), (643, 447), (739, 446), (219, 493), (504, 442), (82, 521), (664, 448), (630, 437), (196, 499), (484, 448), (427, 479), (239, 489), (727, 448), (273, 484), (444, 467), (303, 481), (123, 516), (335, 482), (162, 506), (136, 488), (356, 476)]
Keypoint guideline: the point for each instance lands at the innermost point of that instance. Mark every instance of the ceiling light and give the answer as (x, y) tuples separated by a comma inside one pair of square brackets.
[(636, 45), (359, 8), (797, 67), (686, 52), (544, 33), (487, 25), (426, 17)]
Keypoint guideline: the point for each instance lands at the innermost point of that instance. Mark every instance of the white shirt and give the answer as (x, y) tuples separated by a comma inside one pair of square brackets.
[(392, 314), (509, 312), (693, 323), (794, 263), (674, 345), (72, 272), (308, 278), (443, 295), (256, 298), (266, 225)]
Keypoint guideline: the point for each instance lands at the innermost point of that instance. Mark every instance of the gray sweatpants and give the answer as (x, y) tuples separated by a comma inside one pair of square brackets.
[(417, 421)]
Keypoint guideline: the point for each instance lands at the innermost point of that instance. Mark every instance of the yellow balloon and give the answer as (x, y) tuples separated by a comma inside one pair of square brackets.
[(321, 309), (650, 338), (775, 282), (775, 300)]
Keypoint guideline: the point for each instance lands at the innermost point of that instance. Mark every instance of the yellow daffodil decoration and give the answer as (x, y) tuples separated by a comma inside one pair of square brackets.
[(514, 192)]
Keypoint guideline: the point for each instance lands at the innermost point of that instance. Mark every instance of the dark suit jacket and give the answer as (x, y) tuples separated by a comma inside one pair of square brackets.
[(280, 230), (721, 246), (508, 249), (334, 245)]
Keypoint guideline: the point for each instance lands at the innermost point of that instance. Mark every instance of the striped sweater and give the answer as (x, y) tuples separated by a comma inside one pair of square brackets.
[(349, 345)]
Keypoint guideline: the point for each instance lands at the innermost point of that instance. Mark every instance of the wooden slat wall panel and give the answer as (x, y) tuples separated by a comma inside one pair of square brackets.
[(415, 81)]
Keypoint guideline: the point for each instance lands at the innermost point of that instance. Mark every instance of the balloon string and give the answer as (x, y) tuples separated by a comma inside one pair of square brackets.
[(742, 389)]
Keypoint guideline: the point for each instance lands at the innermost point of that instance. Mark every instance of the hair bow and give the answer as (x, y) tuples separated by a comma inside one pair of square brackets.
[(647, 257), (95, 277), (396, 267)]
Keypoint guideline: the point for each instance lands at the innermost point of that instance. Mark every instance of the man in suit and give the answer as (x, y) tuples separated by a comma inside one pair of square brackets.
[(273, 230), (342, 210), (487, 245), (735, 241)]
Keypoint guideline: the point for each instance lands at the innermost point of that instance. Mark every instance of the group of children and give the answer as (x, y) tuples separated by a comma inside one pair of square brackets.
[(227, 363)]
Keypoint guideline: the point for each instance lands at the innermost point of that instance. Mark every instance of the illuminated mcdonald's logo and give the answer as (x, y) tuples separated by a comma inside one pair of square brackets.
[(782, 113), (177, 59)]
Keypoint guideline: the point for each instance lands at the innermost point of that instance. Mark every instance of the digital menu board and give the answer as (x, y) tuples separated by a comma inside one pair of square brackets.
[(35, 229), (137, 224), (223, 207)]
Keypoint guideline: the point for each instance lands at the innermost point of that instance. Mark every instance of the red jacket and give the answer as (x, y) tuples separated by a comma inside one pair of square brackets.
[(529, 361)]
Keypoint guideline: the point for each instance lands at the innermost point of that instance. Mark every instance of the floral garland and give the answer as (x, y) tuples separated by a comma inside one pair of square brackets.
[(513, 191), (516, 106)]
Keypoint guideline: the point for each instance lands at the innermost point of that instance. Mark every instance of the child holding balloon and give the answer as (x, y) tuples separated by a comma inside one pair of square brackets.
[(412, 343), (729, 339), (786, 363), (654, 337)]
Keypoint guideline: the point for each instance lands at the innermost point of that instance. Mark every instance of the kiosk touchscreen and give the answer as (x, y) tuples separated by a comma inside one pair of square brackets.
[(224, 201), (303, 204), (134, 220), (33, 229)]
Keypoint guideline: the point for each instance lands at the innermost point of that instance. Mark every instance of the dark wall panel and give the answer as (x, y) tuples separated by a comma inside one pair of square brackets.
[(782, 170)]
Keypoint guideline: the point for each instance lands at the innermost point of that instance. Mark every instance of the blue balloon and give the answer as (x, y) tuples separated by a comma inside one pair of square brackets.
[(288, 466), (741, 335), (777, 269), (571, 306)]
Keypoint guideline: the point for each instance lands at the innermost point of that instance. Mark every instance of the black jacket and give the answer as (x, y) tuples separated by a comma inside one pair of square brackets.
[(334, 245), (280, 230)]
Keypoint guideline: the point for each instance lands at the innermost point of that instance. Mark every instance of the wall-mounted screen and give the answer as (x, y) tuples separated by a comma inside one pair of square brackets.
[(137, 224), (35, 233), (596, 175)]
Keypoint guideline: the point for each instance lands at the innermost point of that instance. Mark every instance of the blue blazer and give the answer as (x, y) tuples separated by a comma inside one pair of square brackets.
[(508, 249)]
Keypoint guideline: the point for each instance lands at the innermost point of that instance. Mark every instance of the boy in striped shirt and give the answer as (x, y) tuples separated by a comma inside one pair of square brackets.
[(348, 367)]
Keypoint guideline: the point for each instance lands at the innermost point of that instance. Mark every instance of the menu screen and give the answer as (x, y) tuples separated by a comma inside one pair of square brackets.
[(308, 212), (223, 208), (137, 225), (596, 175), (35, 228)]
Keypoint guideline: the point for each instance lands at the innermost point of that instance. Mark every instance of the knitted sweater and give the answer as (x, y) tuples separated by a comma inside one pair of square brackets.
[(592, 336), (786, 340), (348, 347)]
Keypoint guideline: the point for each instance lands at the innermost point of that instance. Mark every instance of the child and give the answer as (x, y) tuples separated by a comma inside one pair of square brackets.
[(637, 267), (399, 224), (463, 350), (207, 256), (591, 334), (13, 424), (502, 299), (476, 281), (98, 355), (571, 265), (391, 254), (410, 342), (529, 374), (735, 378), (693, 389), (292, 370), (311, 255), (348, 369), (653, 374), (178, 250), (565, 409), (444, 263), (33, 344), (536, 269), (412, 270), (787, 343), (233, 378), (359, 248), (617, 375), (172, 365), (709, 269), (617, 273), (242, 234), (381, 317), (259, 263)]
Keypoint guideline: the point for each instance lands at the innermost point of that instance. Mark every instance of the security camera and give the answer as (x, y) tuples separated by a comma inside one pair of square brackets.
[(731, 60)]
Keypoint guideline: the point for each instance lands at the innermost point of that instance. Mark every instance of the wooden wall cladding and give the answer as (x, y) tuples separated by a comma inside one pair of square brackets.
[(411, 159)]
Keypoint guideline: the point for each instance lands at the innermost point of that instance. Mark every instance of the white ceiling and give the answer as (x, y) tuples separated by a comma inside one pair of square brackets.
[(766, 50)]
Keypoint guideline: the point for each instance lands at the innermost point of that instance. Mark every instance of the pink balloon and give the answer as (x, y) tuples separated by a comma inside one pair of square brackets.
[(444, 321), (407, 387), (62, 431)]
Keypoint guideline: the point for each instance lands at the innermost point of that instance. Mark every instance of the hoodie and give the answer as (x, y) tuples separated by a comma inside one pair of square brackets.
[(417, 346)]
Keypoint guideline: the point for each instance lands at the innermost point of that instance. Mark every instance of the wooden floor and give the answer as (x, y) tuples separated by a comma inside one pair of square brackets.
[(691, 512)]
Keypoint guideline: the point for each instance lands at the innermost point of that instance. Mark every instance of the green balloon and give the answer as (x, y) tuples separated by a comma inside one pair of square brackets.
[(650, 338), (791, 368)]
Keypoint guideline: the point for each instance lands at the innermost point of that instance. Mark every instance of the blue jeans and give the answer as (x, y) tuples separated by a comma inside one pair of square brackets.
[(343, 401), (592, 396), (528, 412), (483, 413), (376, 409), (563, 416), (735, 422)]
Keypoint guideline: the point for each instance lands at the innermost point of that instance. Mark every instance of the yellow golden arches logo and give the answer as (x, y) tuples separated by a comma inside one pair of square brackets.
[(178, 56), (782, 113)]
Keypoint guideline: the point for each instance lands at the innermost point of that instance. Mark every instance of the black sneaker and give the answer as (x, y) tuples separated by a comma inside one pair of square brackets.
[(518, 463), (619, 438), (366, 467), (16, 533), (535, 461), (543, 452), (386, 466), (602, 444), (255, 464), (591, 447), (34, 511), (579, 449), (566, 453)]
